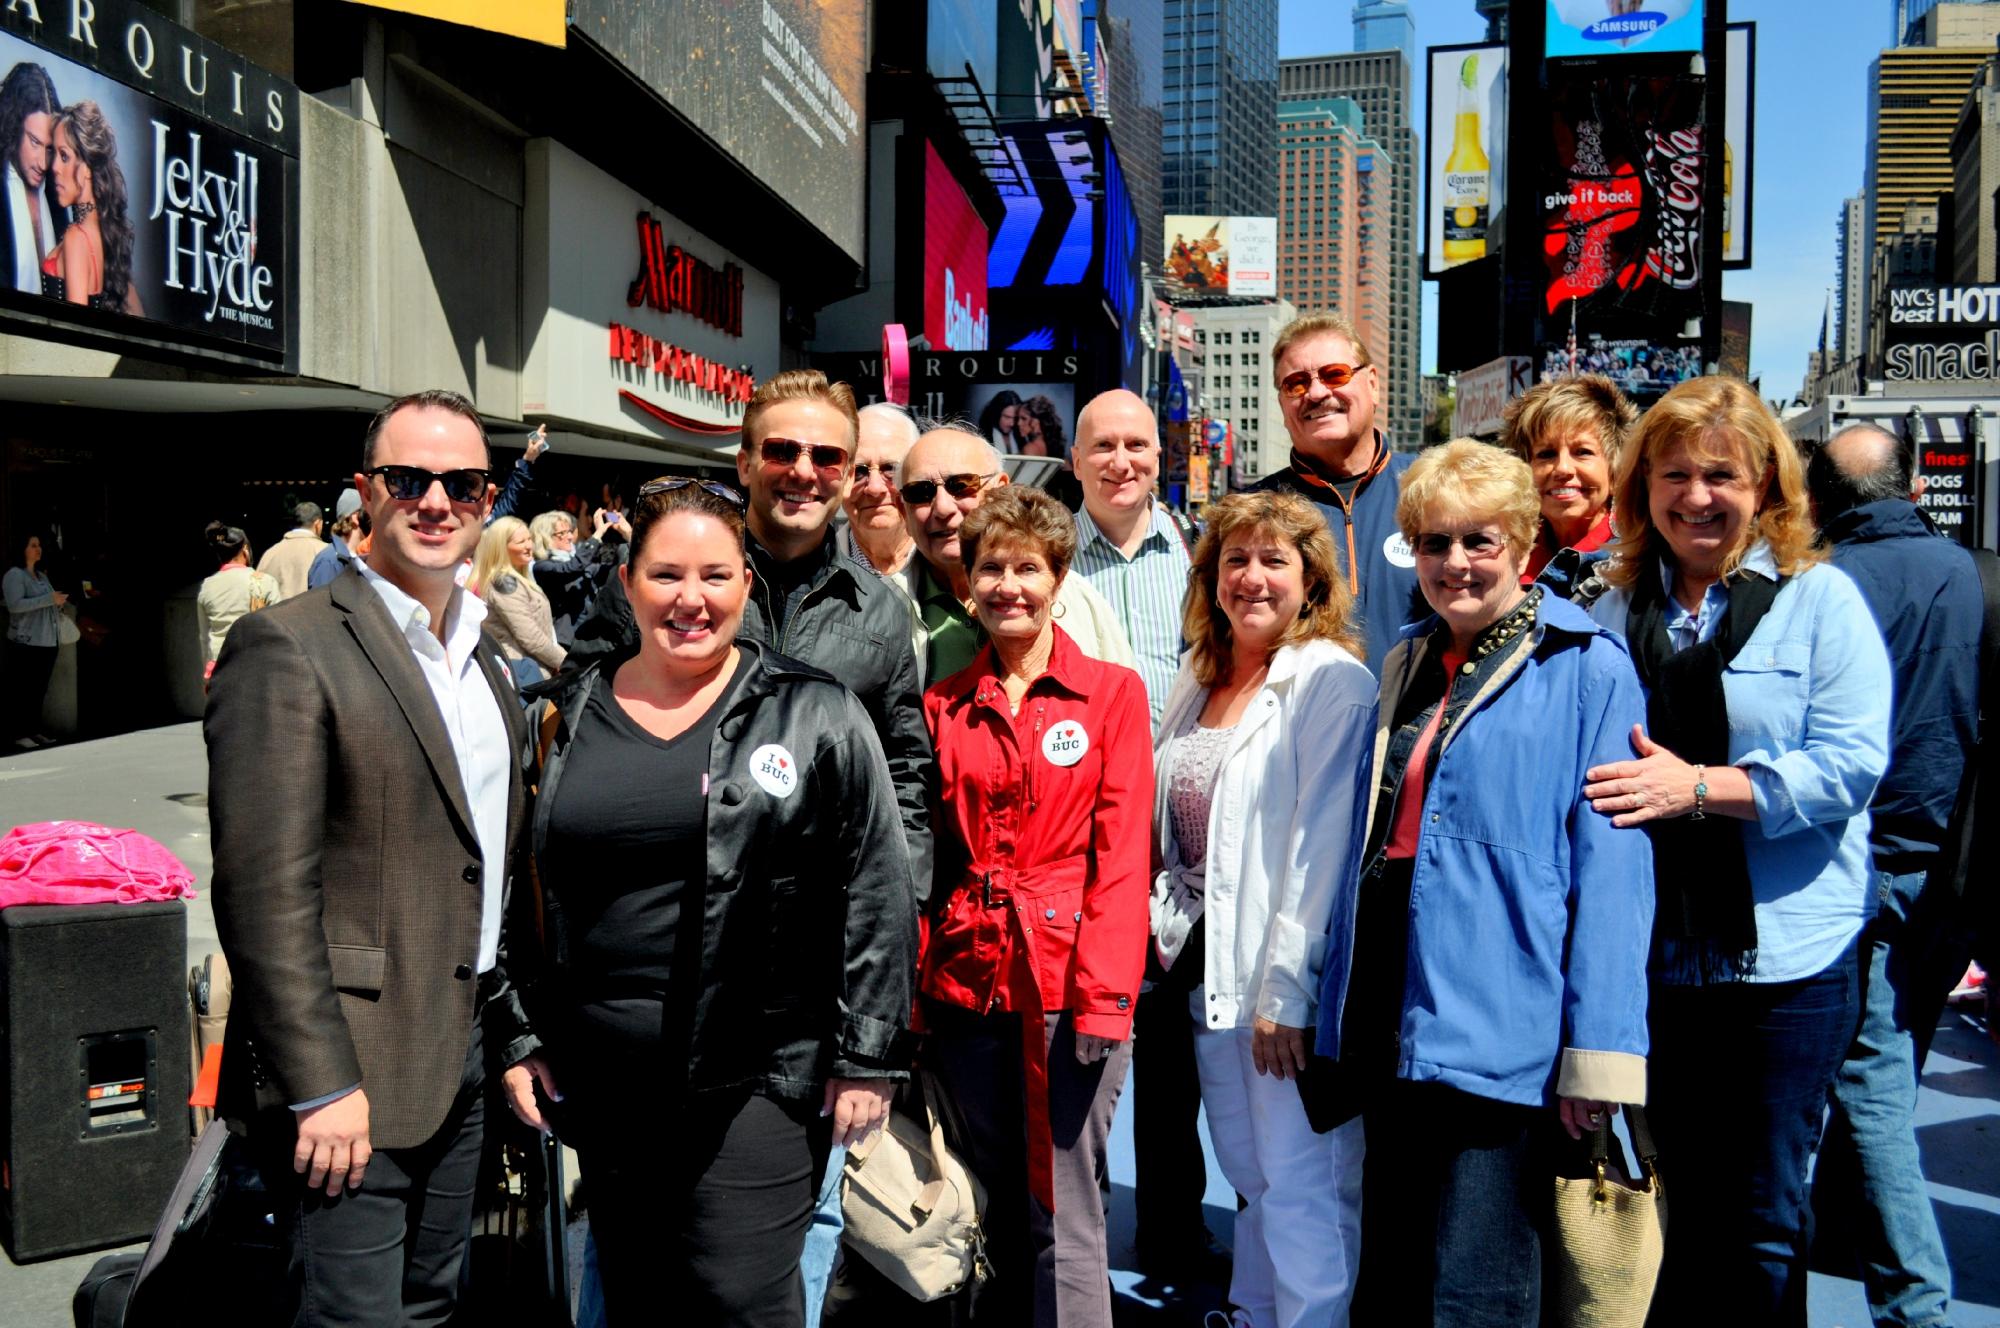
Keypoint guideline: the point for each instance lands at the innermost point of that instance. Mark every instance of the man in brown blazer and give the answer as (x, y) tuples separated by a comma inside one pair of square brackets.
[(365, 794)]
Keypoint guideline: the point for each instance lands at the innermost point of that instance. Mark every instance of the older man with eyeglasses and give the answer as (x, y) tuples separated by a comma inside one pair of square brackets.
[(1327, 386), (945, 476)]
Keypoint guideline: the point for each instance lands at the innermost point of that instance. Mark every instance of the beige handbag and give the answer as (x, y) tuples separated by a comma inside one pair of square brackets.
[(911, 1207), (1609, 1235)]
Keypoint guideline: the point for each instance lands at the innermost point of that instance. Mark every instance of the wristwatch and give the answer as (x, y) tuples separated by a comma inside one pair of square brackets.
[(1700, 794)]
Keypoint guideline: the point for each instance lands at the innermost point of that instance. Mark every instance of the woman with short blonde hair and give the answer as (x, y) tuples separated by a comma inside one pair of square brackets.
[(1767, 727), (1261, 779), (1485, 973), (1571, 432)]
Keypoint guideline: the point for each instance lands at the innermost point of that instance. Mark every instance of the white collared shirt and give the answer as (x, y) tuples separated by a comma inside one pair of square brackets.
[(27, 266), (472, 720)]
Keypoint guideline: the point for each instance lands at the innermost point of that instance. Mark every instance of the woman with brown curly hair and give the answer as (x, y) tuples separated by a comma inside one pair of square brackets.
[(1261, 778), (93, 264), (1767, 727), (1570, 432)]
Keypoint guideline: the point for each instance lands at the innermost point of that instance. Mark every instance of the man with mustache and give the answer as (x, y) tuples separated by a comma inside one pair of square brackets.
[(1327, 386)]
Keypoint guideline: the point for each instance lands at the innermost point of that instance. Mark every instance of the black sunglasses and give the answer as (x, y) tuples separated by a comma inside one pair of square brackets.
[(408, 483), (785, 452), (1478, 544), (669, 483), (918, 492)]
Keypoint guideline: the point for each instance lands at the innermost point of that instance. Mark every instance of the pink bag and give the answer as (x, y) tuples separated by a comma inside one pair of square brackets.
[(78, 862)]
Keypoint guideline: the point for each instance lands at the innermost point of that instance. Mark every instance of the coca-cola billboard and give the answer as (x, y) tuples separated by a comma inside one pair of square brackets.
[(1627, 194)]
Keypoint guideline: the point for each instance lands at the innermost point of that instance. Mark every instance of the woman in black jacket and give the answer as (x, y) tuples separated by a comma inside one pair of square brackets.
[(728, 933)]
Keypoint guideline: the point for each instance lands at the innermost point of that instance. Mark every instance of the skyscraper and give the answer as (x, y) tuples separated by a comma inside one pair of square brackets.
[(1914, 97), (1379, 82), (1217, 154), (1134, 33), (1385, 25), (1335, 196), (1850, 295)]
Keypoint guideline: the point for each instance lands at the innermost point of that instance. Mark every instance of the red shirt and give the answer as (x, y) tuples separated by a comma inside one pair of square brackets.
[(1044, 851), (1409, 817), (1545, 548), (1044, 841)]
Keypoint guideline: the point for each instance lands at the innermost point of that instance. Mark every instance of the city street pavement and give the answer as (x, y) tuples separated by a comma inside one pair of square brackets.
[(156, 781)]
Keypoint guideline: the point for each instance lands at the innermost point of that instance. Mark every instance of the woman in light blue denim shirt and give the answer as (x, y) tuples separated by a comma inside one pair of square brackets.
[(32, 608), (1767, 730)]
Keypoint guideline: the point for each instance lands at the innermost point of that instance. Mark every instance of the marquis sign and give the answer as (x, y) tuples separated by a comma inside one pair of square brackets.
[(182, 228)]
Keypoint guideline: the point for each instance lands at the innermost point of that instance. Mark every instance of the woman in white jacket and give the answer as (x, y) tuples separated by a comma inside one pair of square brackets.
[(1262, 770)]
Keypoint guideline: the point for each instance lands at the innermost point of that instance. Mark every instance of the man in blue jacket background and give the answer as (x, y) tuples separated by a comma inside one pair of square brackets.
[(1924, 592), (1328, 385)]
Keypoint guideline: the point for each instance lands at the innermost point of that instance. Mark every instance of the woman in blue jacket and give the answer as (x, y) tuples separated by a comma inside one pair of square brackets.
[(1767, 728), (1485, 977)]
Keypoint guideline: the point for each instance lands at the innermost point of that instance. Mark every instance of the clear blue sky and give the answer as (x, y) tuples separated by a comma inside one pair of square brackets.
[(1811, 114)]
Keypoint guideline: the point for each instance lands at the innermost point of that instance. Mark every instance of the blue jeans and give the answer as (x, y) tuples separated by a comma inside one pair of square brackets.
[(1738, 1078), (1455, 1203), (823, 1237), (1903, 1263)]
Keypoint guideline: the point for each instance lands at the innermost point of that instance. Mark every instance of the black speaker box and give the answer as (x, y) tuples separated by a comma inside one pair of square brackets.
[(93, 1072)]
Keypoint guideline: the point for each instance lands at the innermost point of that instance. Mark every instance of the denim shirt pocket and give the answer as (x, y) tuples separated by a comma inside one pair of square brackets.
[(1768, 684)]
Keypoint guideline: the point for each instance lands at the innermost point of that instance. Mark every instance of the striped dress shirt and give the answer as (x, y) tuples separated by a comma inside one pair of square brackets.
[(1146, 592)]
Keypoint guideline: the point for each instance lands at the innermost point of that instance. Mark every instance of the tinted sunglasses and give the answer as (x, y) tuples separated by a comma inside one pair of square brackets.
[(1477, 544), (669, 483), (1332, 376), (886, 469), (408, 483), (919, 492), (785, 452)]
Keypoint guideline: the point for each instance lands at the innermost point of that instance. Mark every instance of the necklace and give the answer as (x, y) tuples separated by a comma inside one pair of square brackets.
[(82, 210), (1498, 634)]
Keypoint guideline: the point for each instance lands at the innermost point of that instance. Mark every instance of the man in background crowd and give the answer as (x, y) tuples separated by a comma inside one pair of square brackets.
[(1924, 593), (289, 561), (350, 527)]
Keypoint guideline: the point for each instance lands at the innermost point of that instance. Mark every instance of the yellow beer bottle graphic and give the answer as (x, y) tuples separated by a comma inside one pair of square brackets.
[(1728, 193), (1467, 175)]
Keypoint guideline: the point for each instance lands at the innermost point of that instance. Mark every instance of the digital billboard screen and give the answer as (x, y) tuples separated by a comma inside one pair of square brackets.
[(955, 239), (1465, 176), (1223, 255), (1739, 141), (778, 84), (1596, 27), (1625, 199)]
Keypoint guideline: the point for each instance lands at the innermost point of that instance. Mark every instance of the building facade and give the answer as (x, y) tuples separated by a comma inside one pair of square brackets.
[(1850, 292), (1975, 154), (1221, 99), (1335, 197), (388, 204), (1235, 359), (1914, 97), (1379, 83)]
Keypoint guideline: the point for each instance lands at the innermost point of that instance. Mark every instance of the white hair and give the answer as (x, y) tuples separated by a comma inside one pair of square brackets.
[(889, 410)]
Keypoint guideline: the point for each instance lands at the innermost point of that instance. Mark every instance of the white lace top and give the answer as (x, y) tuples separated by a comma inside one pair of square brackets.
[(1197, 760)]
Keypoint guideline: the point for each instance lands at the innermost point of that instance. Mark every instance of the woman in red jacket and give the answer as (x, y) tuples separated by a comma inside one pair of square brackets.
[(1038, 941)]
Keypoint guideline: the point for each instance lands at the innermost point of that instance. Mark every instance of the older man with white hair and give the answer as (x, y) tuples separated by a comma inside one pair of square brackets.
[(875, 531), (945, 476)]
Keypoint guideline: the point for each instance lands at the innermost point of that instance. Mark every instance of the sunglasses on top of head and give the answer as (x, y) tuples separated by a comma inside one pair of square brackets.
[(669, 483), (919, 492), (1331, 376), (408, 483), (785, 452)]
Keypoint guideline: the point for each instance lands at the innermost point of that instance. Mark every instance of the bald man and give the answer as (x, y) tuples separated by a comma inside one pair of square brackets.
[(1924, 592), (944, 478), (1128, 546)]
